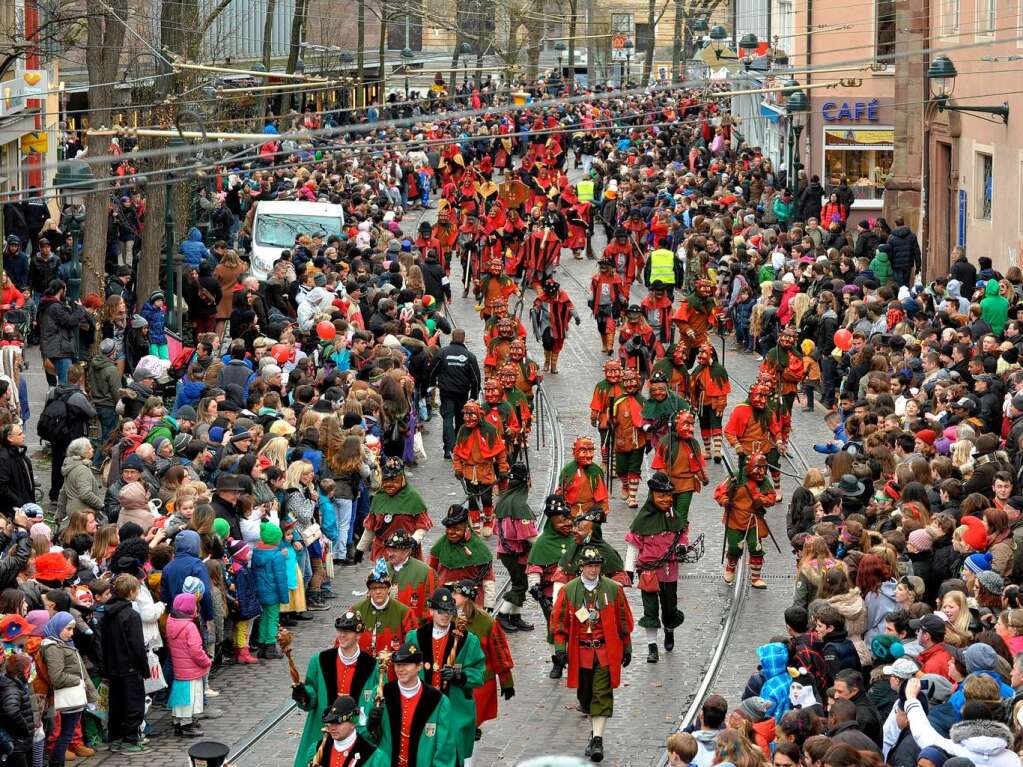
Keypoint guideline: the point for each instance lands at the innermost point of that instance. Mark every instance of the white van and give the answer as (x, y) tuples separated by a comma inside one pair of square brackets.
[(278, 223)]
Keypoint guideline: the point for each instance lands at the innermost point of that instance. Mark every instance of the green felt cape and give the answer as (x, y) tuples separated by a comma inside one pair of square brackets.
[(612, 559), (666, 408), (670, 443), (700, 304), (549, 547), (514, 502), (593, 473), (457, 555), (651, 521), (406, 501)]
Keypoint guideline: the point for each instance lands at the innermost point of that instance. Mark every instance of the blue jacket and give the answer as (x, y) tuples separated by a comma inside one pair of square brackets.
[(189, 393), (157, 319), (186, 562), (193, 249), (959, 696), (246, 593), (328, 517), (268, 565), (17, 268)]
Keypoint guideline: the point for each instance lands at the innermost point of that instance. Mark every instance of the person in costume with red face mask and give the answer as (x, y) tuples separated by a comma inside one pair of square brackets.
[(480, 461), (696, 315), (746, 497), (581, 481), (604, 394), (710, 389)]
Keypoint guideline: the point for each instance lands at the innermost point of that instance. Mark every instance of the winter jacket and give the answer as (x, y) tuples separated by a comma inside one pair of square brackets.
[(157, 319), (65, 667), (150, 612), (14, 559), (166, 427), (881, 266), (904, 249), (850, 734), (16, 717), (58, 325), (194, 251), (187, 562), (134, 506), (236, 372), (840, 653), (104, 381), (963, 271), (456, 372), (186, 649), (268, 565), (83, 489), (245, 593), (954, 296), (879, 603), (773, 661), (16, 267), (42, 271), (810, 201), (706, 742), (17, 480), (435, 281), (229, 512), (994, 309), (124, 649), (189, 393), (984, 742)]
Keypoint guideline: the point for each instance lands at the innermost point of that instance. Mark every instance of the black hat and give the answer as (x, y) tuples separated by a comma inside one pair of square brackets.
[(343, 709), (660, 482), (555, 506), (409, 652), (594, 515), (425, 226), (228, 482), (658, 285), (392, 467), (848, 485), (123, 271), (634, 309), (466, 587), (591, 555), (400, 539), (621, 231), (442, 601), (457, 515), (350, 621), (931, 623), (659, 376), (519, 472)]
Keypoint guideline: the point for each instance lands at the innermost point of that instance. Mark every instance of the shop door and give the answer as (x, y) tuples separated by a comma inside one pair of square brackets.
[(942, 223)]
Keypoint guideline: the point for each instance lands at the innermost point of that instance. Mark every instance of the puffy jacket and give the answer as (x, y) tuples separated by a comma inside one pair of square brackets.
[(104, 381), (984, 742), (124, 648), (186, 649), (65, 667), (268, 565), (994, 309), (186, 562), (134, 506), (457, 372), (42, 271), (245, 593), (58, 324), (16, 267), (879, 603), (881, 266), (840, 653), (810, 201), (193, 249), (904, 249), (83, 490), (963, 271), (17, 480), (189, 393), (236, 372), (157, 319), (16, 718), (166, 427), (150, 612)]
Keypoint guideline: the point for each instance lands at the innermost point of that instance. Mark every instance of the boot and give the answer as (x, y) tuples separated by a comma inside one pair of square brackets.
[(669, 640), (546, 360), (554, 363), (706, 447), (475, 520), (83, 751), (556, 668), (625, 488), (316, 603), (717, 440), (609, 343), (506, 622), (755, 566), (596, 749), (651, 653), (518, 622), (729, 573), (190, 730), (244, 656), (272, 653), (488, 521)]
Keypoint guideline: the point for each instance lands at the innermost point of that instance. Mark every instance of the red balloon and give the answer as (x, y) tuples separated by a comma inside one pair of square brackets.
[(325, 330), (843, 339), (281, 353)]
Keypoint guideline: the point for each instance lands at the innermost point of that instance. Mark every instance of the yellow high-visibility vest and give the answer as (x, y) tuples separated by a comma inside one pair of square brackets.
[(584, 190), (662, 266)]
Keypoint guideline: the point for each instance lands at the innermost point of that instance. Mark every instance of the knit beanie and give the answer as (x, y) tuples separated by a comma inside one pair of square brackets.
[(920, 540), (221, 527), (755, 708), (978, 563), (976, 536), (269, 534), (886, 648), (193, 585), (991, 581)]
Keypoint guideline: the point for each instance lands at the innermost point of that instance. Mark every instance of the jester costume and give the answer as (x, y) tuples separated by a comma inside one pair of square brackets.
[(500, 312), (784, 366), (478, 458), (636, 341), (678, 456), (499, 347), (581, 481), (745, 498), (656, 306), (499, 413), (516, 532), (630, 440), (710, 387), (527, 372), (461, 554), (397, 506), (586, 534), (696, 315), (626, 256), (661, 407), (674, 364), (493, 285), (550, 315), (541, 254), (507, 376), (604, 394), (607, 300), (752, 427)]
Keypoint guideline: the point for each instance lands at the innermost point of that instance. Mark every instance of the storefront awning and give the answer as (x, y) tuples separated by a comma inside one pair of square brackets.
[(771, 112)]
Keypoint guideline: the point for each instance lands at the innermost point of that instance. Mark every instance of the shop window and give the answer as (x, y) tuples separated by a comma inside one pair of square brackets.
[(950, 17), (884, 31), (862, 155), (985, 176), (987, 17)]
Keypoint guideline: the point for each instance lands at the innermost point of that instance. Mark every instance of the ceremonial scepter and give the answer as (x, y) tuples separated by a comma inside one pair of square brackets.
[(284, 639)]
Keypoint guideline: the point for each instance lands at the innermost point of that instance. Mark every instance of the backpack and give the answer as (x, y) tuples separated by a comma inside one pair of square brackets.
[(55, 420), (180, 364)]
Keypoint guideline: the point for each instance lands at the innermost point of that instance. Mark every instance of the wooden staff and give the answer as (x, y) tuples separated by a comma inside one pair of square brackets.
[(461, 626), (318, 756)]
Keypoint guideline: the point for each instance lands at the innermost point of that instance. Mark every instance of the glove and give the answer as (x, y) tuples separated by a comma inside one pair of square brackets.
[(626, 659), (453, 678), (561, 658), (536, 592), (578, 321), (300, 695), (375, 720), (508, 693)]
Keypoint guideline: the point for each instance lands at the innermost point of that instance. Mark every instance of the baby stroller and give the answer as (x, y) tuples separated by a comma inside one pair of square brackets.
[(21, 318)]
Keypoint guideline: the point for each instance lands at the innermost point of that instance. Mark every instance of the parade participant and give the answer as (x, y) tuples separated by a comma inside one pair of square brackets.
[(479, 460), (499, 413), (527, 372), (411, 721), (751, 428), (499, 347), (541, 249), (412, 579), (696, 315), (626, 256), (453, 662), (339, 670), (542, 564), (396, 506), (710, 389), (341, 746), (630, 440), (493, 285), (592, 626), (577, 217), (516, 532), (426, 241), (499, 311), (550, 314), (745, 498), (661, 407), (471, 237), (581, 481), (636, 341), (785, 368), (512, 236), (507, 377), (657, 306), (608, 298), (605, 393), (586, 532), (678, 455), (461, 554), (675, 365), (386, 620), (496, 653), (651, 550)]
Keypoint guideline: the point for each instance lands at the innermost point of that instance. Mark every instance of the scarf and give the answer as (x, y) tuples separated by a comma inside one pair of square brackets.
[(666, 408), (650, 521), (514, 502), (549, 547), (56, 625)]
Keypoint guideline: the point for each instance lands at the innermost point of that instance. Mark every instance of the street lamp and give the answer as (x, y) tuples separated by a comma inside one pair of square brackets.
[(407, 54), (942, 75), (560, 48), (629, 46), (464, 52), (796, 109), (718, 33), (75, 179), (747, 44), (758, 64)]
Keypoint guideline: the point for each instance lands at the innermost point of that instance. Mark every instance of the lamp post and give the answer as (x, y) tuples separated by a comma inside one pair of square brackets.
[(559, 49), (75, 179), (175, 146), (465, 51), (407, 55), (347, 58), (629, 47), (796, 109), (942, 76), (747, 44)]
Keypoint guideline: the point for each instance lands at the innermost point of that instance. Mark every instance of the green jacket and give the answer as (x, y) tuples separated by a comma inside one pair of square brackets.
[(881, 266), (104, 381), (994, 309), (432, 735), (782, 211), (166, 427), (321, 689)]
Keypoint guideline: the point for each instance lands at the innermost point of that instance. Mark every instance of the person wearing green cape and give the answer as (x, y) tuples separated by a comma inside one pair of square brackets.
[(397, 506), (655, 532), (461, 553), (542, 564), (516, 532), (340, 670), (661, 406)]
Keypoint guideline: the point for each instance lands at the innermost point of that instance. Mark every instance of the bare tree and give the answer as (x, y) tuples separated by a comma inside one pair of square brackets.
[(653, 18), (683, 46)]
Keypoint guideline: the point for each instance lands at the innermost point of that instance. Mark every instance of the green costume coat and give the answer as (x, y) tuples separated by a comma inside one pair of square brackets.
[(321, 687), (472, 662), (432, 741)]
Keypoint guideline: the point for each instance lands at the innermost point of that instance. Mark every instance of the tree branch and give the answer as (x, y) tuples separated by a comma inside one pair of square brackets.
[(208, 21)]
